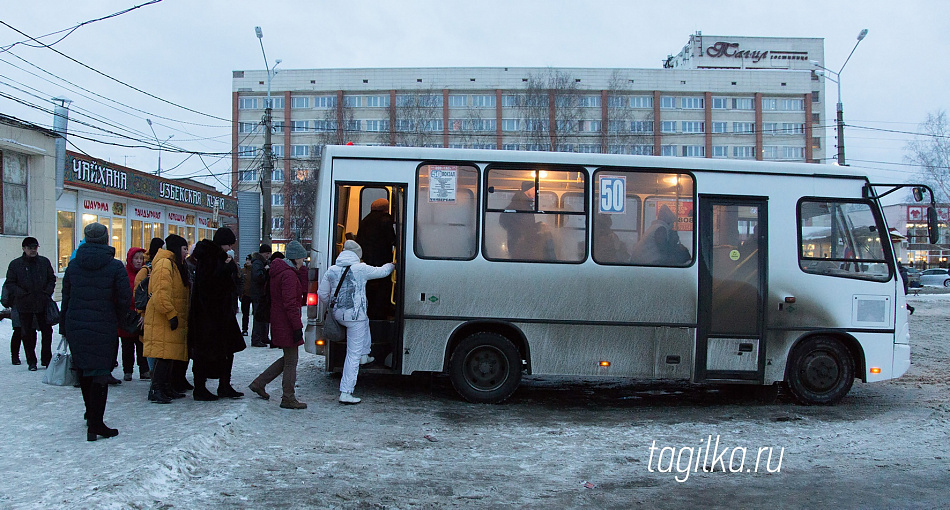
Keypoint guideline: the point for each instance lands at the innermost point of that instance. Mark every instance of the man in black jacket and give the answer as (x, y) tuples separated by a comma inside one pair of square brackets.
[(31, 280), (258, 293)]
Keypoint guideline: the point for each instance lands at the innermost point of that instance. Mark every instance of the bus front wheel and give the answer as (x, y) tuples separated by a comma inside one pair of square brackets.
[(820, 371), (485, 368)]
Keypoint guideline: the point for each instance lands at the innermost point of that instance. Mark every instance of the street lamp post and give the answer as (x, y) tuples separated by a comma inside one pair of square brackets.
[(267, 219), (839, 107), (160, 144)]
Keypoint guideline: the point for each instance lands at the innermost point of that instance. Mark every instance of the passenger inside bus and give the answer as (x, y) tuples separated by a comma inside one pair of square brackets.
[(527, 239), (377, 236), (607, 244), (660, 244)]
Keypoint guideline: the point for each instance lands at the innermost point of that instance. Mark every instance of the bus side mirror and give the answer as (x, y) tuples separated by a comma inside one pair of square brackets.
[(932, 225), (918, 194)]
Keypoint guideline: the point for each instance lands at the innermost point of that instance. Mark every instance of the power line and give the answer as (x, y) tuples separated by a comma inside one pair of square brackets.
[(111, 77)]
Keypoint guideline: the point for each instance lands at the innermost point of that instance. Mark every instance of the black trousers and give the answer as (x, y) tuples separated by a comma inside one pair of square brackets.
[(15, 342), (129, 347), (245, 312), (29, 328)]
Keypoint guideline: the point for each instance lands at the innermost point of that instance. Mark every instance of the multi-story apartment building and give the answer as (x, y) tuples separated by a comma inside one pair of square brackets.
[(720, 97)]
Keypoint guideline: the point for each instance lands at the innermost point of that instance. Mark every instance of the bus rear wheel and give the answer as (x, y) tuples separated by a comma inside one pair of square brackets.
[(485, 368), (820, 371)]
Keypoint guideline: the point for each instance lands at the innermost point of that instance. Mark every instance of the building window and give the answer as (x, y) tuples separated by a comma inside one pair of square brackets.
[(694, 151), (277, 198), (352, 101), (15, 169), (641, 126), (793, 105), (693, 103), (588, 148), (770, 152), (589, 101), (743, 103), (510, 124), (299, 126), (719, 127), (277, 150), (458, 100), (277, 126), (377, 125), (667, 102), (484, 146), (509, 147), (278, 222), (694, 127), (743, 127), (276, 103), (816, 142), (720, 103), (667, 150), (770, 128), (324, 102), (247, 103), (590, 126), (483, 101), (616, 126), (667, 126), (534, 218), (743, 152), (616, 101), (353, 125), (300, 151), (247, 151), (791, 128), (641, 102), (534, 125), (247, 127), (641, 150), (510, 101), (769, 104), (816, 118), (277, 175), (795, 153), (720, 151), (300, 102), (324, 125), (815, 96), (616, 149), (248, 175)]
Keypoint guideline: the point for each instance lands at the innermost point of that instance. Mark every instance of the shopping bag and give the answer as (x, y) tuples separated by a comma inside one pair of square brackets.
[(60, 370)]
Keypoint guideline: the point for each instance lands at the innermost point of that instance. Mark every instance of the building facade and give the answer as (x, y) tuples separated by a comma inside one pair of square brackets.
[(135, 206), (909, 219), (720, 97), (27, 187)]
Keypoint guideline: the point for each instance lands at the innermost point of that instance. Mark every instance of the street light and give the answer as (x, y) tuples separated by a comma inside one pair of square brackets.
[(839, 108), (160, 144), (268, 160)]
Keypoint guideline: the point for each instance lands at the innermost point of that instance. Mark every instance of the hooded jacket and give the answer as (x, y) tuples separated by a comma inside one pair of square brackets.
[(169, 299), (351, 301), (285, 293), (132, 273), (96, 294)]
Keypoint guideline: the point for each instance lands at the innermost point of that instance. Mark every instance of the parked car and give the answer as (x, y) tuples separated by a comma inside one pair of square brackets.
[(935, 276), (913, 277)]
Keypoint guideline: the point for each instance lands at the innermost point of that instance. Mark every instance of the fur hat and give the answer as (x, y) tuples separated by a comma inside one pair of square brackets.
[(223, 236), (96, 233), (380, 204), (353, 246), (295, 251)]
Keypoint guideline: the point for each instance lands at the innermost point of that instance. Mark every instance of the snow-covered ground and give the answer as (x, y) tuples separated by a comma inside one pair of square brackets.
[(414, 444)]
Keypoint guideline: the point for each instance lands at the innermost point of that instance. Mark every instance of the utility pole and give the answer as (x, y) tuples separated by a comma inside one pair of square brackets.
[(266, 224)]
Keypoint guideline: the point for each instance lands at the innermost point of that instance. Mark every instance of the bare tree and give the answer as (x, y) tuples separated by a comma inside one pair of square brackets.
[(417, 118), (625, 127), (550, 96), (931, 151), (302, 185)]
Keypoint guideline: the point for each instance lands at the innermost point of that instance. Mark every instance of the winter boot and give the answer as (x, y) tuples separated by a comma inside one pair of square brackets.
[(145, 375), (172, 393), (201, 393), (224, 384), (291, 403), (258, 388), (84, 383), (155, 394), (96, 427)]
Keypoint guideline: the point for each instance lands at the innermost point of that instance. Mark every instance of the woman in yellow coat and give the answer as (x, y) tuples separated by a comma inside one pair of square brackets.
[(166, 316)]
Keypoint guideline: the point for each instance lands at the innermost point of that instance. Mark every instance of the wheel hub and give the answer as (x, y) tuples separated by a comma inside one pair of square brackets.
[(820, 371)]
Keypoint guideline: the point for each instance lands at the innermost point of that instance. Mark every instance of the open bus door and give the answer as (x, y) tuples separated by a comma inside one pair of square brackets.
[(354, 202), (733, 243)]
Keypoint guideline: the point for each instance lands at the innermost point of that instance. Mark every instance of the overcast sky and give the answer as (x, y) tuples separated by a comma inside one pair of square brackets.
[(184, 52)]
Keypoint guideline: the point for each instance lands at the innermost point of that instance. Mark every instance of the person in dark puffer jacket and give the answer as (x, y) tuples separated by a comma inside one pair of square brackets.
[(96, 296)]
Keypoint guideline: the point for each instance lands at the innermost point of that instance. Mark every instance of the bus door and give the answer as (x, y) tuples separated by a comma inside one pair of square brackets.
[(384, 296), (733, 240)]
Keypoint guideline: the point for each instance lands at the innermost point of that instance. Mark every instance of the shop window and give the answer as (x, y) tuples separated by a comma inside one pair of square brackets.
[(14, 170), (137, 239), (446, 212), (65, 236), (535, 215), (118, 238)]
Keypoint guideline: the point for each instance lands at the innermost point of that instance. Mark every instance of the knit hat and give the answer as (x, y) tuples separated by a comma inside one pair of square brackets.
[(380, 204), (295, 251), (96, 233), (265, 248), (30, 242), (353, 246), (231, 253), (154, 245), (174, 243), (223, 236)]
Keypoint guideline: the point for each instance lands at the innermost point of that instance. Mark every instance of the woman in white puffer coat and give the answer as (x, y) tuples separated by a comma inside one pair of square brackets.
[(350, 310)]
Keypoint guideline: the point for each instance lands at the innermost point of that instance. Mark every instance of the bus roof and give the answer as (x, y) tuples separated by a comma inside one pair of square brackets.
[(587, 159)]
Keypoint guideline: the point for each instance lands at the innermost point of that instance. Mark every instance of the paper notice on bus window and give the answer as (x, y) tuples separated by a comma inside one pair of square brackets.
[(443, 181)]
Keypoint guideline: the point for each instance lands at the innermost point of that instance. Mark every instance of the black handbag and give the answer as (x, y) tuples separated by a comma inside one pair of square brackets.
[(52, 313), (333, 331)]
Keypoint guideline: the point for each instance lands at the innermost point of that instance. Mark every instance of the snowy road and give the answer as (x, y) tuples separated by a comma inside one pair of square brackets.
[(414, 444)]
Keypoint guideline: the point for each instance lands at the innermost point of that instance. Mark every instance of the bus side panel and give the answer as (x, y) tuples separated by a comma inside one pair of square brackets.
[(424, 343)]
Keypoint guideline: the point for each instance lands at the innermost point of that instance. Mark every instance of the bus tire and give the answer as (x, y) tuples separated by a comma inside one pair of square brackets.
[(820, 371), (485, 368)]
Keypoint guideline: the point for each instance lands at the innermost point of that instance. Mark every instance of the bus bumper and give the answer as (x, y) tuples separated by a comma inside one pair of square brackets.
[(901, 359)]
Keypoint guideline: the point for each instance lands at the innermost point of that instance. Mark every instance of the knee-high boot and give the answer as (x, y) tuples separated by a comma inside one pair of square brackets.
[(84, 384), (156, 392), (96, 427), (201, 392), (225, 390)]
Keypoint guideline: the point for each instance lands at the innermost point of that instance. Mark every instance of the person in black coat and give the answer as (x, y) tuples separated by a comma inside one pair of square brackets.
[(214, 334), (377, 237), (30, 280), (258, 293), (96, 297)]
